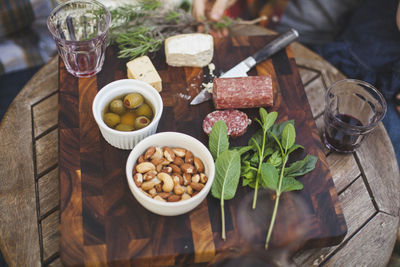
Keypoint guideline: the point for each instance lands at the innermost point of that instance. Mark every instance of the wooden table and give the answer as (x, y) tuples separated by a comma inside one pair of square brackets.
[(367, 181)]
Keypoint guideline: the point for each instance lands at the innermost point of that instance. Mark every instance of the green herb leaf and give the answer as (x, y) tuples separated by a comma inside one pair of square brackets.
[(263, 115), (288, 136), (269, 120), (290, 184), (269, 176), (218, 141), (301, 167), (294, 147), (243, 149), (227, 173), (275, 159), (277, 128)]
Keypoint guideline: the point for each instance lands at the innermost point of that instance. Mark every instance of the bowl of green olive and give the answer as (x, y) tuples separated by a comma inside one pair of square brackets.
[(127, 111)]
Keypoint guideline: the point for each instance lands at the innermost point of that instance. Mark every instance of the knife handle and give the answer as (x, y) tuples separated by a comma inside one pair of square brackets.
[(276, 45)]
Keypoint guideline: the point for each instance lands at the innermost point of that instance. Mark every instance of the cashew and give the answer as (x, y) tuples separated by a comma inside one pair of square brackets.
[(156, 181), (145, 167), (144, 192), (157, 154), (152, 192), (179, 177), (178, 189), (147, 185), (185, 196), (175, 179), (167, 180), (189, 190), (198, 164), (157, 197)]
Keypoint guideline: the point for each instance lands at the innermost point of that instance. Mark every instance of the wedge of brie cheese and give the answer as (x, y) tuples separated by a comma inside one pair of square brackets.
[(189, 50), (142, 68)]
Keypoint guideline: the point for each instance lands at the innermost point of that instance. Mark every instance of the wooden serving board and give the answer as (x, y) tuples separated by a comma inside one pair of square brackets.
[(101, 222)]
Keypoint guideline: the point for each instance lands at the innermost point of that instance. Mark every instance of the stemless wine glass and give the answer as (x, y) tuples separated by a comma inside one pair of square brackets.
[(79, 28), (353, 108)]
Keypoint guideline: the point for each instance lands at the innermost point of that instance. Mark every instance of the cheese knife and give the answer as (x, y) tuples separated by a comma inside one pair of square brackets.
[(241, 69)]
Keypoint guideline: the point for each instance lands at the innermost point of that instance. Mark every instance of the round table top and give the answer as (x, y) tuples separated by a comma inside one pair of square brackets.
[(367, 181)]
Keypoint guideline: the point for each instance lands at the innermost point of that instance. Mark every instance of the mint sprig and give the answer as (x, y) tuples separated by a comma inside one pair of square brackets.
[(261, 163)]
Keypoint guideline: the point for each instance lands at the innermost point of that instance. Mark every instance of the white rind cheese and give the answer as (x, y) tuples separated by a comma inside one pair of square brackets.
[(189, 50), (142, 68)]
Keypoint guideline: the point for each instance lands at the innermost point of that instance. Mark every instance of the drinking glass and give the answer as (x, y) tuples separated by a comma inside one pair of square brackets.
[(353, 108), (79, 28)]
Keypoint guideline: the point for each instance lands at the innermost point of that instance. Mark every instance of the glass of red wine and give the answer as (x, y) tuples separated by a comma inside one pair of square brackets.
[(79, 29), (353, 108)]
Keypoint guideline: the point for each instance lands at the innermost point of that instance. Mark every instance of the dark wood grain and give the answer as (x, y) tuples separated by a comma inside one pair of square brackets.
[(100, 219)]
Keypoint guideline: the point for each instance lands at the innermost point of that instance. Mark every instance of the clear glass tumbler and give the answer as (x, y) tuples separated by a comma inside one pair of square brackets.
[(79, 28), (353, 108)]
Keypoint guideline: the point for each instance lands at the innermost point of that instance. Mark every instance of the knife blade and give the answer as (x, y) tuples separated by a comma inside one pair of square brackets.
[(241, 69)]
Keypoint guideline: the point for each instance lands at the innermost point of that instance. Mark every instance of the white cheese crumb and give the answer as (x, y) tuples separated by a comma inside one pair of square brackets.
[(183, 96)]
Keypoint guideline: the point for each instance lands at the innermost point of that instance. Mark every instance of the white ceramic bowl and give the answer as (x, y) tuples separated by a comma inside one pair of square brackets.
[(171, 139), (120, 139)]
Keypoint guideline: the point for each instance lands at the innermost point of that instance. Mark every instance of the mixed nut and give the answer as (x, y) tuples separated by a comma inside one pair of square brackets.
[(169, 174)]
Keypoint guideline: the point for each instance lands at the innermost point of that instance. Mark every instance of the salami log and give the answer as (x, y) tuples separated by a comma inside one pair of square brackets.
[(236, 121), (243, 92)]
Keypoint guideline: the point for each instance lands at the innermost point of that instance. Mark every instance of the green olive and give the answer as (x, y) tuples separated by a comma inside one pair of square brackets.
[(117, 106), (133, 100), (111, 119), (141, 122), (124, 127), (144, 110)]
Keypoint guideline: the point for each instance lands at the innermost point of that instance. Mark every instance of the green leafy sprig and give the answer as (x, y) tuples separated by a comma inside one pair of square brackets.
[(227, 168), (265, 164), (262, 163)]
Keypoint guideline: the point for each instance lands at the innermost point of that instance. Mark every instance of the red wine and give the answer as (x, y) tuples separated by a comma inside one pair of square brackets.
[(339, 137)]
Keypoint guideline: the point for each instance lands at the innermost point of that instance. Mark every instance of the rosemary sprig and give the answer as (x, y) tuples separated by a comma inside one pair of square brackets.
[(141, 28)]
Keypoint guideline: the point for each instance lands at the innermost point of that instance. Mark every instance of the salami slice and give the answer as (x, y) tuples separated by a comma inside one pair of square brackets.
[(235, 120), (243, 92)]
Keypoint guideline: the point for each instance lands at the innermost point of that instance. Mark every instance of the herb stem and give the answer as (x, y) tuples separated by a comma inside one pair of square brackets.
[(223, 218), (271, 225), (278, 195), (261, 159)]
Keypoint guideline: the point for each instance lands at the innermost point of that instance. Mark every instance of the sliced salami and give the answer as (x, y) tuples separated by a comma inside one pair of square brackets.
[(235, 120), (243, 92)]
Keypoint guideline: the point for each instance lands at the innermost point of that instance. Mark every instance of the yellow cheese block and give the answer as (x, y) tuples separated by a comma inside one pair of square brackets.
[(142, 68)]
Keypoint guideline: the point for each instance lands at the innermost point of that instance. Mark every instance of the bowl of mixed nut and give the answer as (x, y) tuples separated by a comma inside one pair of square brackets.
[(170, 173)]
